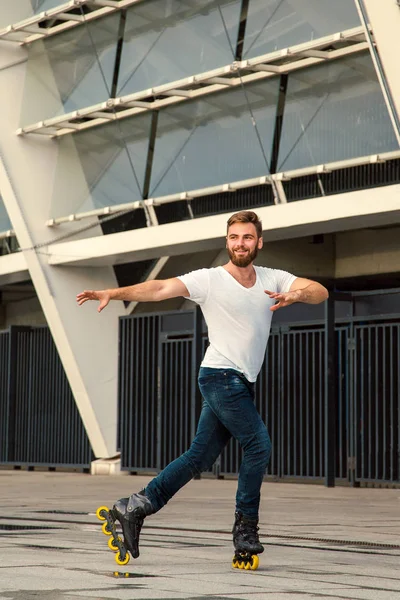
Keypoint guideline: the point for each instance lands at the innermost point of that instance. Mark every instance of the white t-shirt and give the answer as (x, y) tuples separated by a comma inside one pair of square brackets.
[(238, 318)]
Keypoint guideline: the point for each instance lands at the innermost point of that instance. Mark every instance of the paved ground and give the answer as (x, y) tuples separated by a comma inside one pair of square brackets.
[(320, 543)]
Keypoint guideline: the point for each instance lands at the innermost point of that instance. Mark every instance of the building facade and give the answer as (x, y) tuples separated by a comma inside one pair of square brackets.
[(131, 129)]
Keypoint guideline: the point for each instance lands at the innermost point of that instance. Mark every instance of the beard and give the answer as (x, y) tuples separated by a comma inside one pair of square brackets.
[(242, 261)]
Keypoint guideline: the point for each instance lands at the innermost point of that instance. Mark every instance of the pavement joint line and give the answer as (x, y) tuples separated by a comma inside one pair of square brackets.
[(364, 543)]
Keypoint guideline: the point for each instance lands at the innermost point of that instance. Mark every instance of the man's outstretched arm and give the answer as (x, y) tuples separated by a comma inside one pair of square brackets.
[(149, 291), (301, 290)]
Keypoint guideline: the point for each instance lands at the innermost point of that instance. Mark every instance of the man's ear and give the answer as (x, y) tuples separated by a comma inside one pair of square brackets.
[(260, 243)]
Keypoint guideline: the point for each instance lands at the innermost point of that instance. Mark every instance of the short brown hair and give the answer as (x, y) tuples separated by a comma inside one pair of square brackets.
[(246, 216)]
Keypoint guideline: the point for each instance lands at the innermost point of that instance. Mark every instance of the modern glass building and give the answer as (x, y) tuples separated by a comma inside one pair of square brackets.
[(131, 129)]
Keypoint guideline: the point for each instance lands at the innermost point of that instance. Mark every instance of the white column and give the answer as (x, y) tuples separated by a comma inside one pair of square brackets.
[(86, 341), (384, 19)]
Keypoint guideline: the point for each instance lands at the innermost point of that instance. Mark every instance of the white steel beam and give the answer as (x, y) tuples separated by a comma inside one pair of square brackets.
[(232, 186), (383, 18), (26, 35), (27, 175), (196, 86), (343, 212), (13, 268)]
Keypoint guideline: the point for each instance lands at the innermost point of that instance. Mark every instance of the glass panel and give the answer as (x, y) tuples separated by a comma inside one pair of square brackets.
[(71, 70), (276, 24), (13, 11), (112, 159), (5, 223), (333, 112), (213, 141), (39, 6), (194, 33)]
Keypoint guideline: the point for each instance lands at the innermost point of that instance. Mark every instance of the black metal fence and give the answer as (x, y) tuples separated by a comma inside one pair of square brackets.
[(157, 389), (159, 400), (376, 399), (39, 421)]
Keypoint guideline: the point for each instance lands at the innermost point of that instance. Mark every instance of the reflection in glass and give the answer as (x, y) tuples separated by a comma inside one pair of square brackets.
[(214, 140), (39, 6), (167, 40), (112, 159), (276, 24), (71, 70), (333, 112), (5, 223)]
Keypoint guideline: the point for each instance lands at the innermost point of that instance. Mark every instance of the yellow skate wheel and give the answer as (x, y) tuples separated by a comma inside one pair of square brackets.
[(235, 564), (100, 513), (254, 563), (111, 544), (105, 529), (241, 565), (119, 560), (116, 574), (247, 566)]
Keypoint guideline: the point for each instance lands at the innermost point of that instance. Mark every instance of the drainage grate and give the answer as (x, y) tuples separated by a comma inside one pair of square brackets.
[(61, 512), (25, 527)]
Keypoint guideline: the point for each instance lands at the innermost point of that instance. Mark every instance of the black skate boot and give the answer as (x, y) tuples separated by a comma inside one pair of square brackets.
[(130, 512), (246, 543)]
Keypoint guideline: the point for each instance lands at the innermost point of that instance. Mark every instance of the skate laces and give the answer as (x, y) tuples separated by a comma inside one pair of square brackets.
[(249, 530)]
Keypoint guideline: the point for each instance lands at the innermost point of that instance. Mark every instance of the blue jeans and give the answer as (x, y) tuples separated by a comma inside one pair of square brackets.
[(228, 410)]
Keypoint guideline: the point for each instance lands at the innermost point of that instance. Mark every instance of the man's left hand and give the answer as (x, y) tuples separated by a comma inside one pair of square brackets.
[(283, 300)]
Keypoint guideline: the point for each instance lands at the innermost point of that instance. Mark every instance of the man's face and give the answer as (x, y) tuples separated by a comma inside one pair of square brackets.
[(242, 244)]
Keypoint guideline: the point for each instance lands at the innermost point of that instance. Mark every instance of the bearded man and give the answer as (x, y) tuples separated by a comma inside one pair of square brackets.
[(238, 300)]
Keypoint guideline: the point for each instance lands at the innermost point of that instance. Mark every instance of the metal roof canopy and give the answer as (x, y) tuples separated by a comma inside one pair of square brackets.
[(29, 30), (284, 61), (277, 179)]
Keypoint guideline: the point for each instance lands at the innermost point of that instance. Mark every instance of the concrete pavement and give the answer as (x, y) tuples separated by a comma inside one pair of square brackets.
[(320, 543)]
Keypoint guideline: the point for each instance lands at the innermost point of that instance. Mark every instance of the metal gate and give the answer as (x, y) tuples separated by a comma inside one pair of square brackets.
[(176, 398), (302, 404), (375, 402), (40, 423), (290, 400), (4, 399), (159, 399), (267, 397), (138, 391), (158, 391)]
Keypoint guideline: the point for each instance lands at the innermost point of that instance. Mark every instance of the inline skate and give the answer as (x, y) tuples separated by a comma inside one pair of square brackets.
[(130, 514), (246, 543)]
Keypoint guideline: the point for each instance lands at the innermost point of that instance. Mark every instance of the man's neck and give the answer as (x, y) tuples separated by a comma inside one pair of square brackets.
[(246, 274)]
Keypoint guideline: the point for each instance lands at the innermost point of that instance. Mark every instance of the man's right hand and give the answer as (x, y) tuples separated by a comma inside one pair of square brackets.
[(103, 296)]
